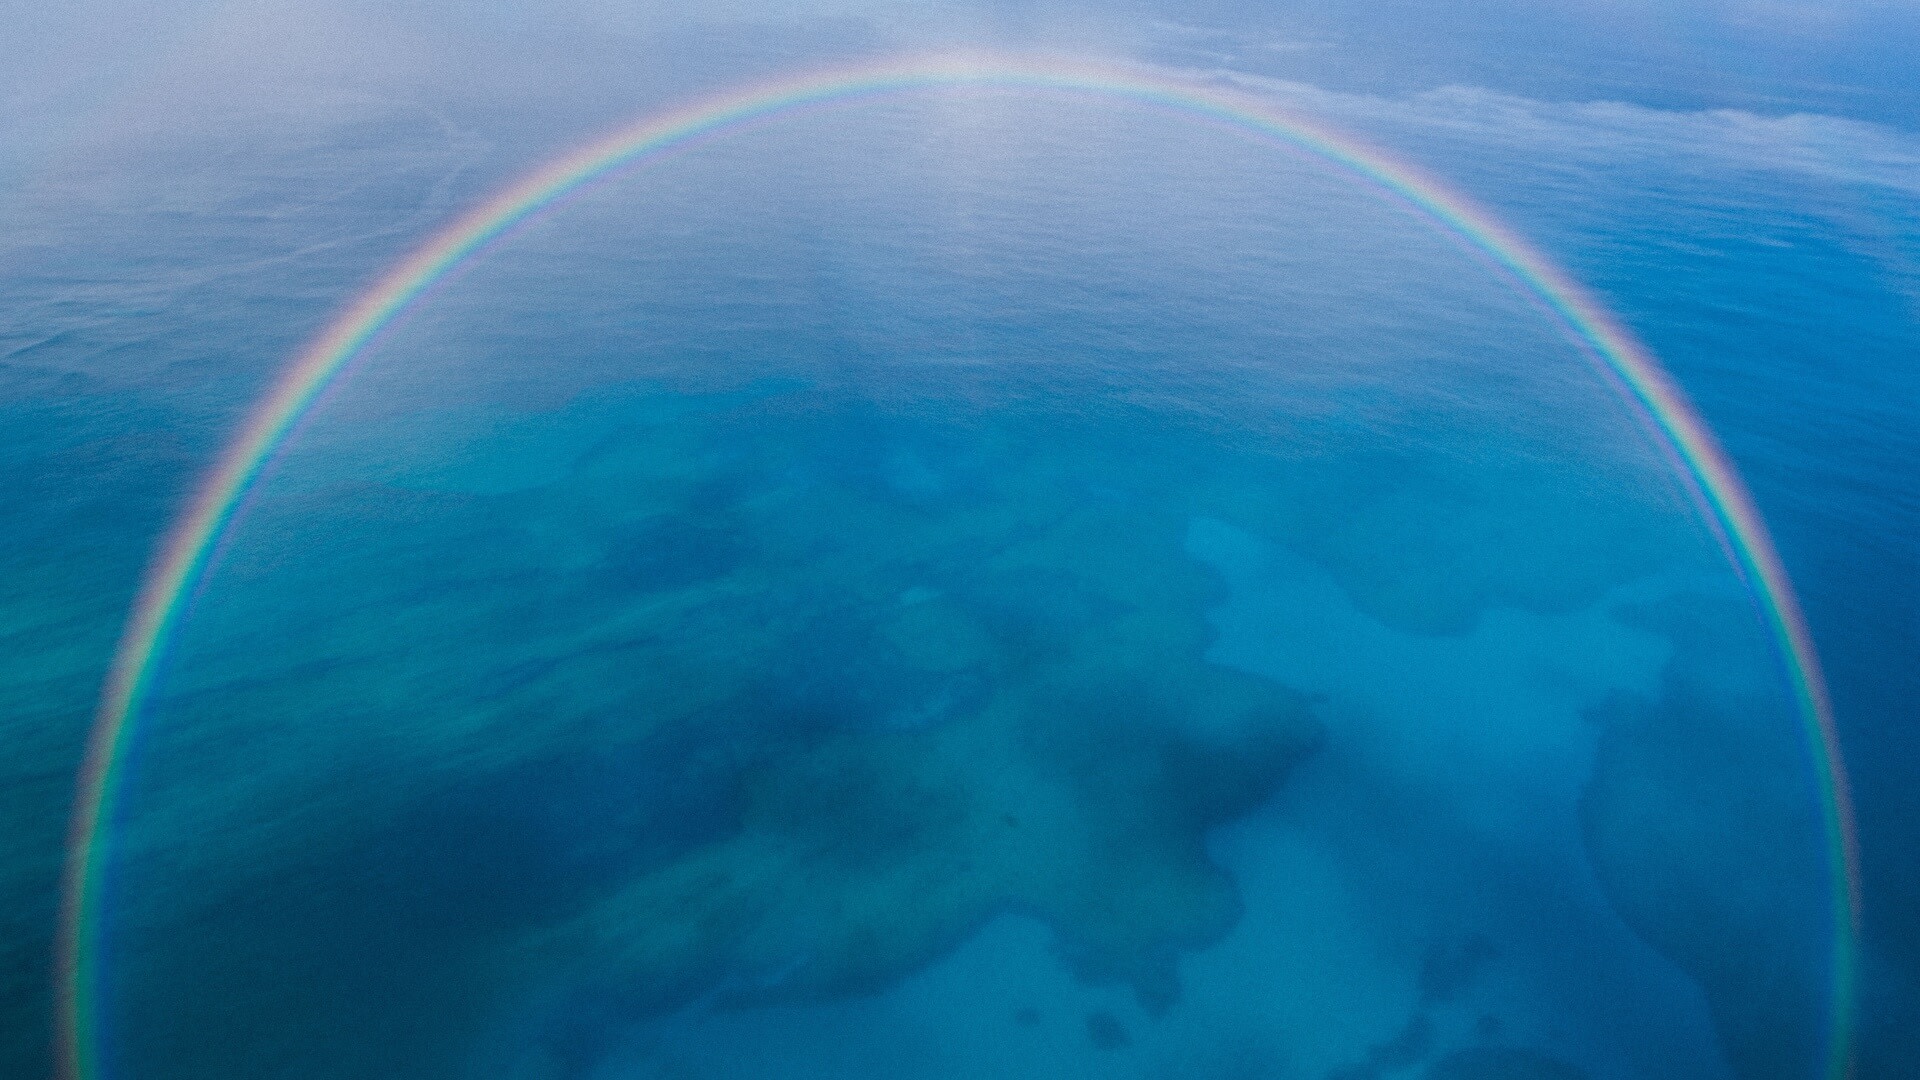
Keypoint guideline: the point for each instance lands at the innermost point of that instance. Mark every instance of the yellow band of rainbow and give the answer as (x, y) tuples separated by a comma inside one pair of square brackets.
[(179, 562)]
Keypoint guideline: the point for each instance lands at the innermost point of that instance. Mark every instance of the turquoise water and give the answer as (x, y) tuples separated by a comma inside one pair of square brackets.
[(987, 586)]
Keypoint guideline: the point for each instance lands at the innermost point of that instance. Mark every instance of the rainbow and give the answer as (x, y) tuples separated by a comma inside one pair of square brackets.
[(185, 553)]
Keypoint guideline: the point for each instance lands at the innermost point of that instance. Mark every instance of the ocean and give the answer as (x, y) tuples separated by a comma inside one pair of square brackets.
[(969, 582)]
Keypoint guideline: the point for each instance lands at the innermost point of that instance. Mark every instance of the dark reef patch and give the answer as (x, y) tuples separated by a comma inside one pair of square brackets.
[(1451, 966), (670, 552), (1106, 1032), (1404, 1049), (946, 710), (1702, 820)]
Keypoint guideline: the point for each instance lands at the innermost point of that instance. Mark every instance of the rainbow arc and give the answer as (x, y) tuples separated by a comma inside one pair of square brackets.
[(184, 554)]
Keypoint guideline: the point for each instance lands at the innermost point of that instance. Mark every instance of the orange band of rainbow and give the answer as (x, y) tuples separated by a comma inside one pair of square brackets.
[(183, 557)]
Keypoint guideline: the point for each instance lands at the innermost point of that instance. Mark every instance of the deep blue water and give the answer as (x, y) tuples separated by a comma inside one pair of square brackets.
[(985, 586)]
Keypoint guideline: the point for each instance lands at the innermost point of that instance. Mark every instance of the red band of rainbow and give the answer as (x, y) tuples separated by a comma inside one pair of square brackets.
[(1703, 466)]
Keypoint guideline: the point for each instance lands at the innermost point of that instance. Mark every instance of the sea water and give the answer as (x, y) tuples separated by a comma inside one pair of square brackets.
[(979, 585)]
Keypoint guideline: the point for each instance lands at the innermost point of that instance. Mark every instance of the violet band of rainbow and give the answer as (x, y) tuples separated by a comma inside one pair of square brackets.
[(1703, 467)]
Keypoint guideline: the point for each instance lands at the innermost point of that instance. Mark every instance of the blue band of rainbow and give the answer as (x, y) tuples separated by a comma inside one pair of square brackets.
[(179, 563)]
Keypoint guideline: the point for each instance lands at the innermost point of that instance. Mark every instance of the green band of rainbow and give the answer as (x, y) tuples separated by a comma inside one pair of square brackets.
[(184, 555)]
